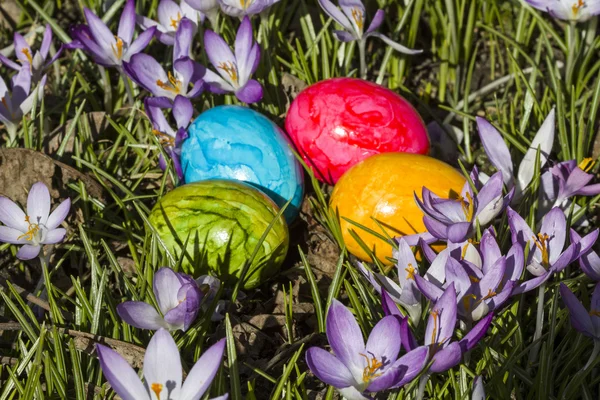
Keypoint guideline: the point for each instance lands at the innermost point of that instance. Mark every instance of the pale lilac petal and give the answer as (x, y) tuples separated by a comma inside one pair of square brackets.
[(566, 258), (11, 235), (456, 274), (253, 59), (388, 377), (28, 252), (328, 368), (100, 32), (203, 372), (183, 39), (520, 232), (470, 340), (580, 318), (407, 268), (414, 361), (59, 214), (184, 68), (554, 224), (490, 250), (121, 377), (478, 389), (167, 12), (437, 229), (531, 284), (38, 203), (515, 262), (496, 149), (344, 336), (335, 13), (46, 42), (376, 21), (140, 43), (350, 392), (183, 111), (243, 47), (388, 305), (55, 236), (491, 280), (595, 306), (162, 363), (589, 190), (252, 92), (166, 286), (141, 315), (384, 340), (490, 200), (442, 318), (146, 71), (9, 63), (409, 342), (11, 215), (218, 52), (344, 36), (127, 22), (543, 140), (428, 289), (394, 45), (575, 183), (22, 48), (446, 358)]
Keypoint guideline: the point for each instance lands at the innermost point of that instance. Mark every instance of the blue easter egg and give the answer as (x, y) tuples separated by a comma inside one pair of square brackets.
[(233, 142)]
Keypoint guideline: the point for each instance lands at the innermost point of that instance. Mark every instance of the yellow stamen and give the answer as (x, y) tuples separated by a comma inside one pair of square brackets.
[(33, 229), (466, 247), (595, 313), (541, 242), (118, 51), (358, 16), (231, 70), (466, 302), (586, 164), (175, 22), (468, 206), (157, 388), (4, 102), (174, 84), (411, 272), (490, 294), (163, 138), (373, 364), (473, 279), (577, 6), (28, 55), (435, 314), (245, 3)]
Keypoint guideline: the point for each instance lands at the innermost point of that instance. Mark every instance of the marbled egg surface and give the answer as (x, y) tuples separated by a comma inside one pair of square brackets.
[(222, 222), (383, 187), (233, 142), (336, 123)]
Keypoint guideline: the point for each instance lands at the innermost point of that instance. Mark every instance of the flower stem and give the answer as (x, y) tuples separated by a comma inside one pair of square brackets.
[(362, 44), (539, 323), (571, 50), (127, 84), (594, 354), (422, 384)]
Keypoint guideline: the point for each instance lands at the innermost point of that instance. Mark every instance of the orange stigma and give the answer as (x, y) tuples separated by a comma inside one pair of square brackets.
[(373, 364), (33, 229), (586, 164), (411, 272), (173, 85), (577, 6), (435, 314), (118, 51), (163, 138), (175, 22), (541, 242), (230, 69), (28, 55), (468, 206), (358, 17), (157, 388), (595, 313)]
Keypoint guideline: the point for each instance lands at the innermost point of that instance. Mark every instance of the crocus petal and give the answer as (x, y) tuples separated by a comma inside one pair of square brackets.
[(11, 215), (335, 13), (589, 261), (490, 281), (168, 11), (428, 289), (544, 139), (387, 378), (218, 53), (394, 45), (531, 283), (251, 92), (9, 63), (554, 224), (376, 21), (490, 200), (470, 340), (328, 368), (59, 214), (46, 41), (127, 22), (22, 48), (442, 318), (243, 47), (489, 249), (121, 377), (344, 336), (566, 258), (203, 372), (407, 268), (162, 364), (379, 281), (28, 252), (520, 232), (446, 358), (408, 339), (515, 261), (350, 392), (413, 361), (141, 315), (344, 36), (38, 203), (146, 71), (140, 43), (437, 229), (478, 389), (182, 111), (55, 236), (456, 274), (595, 306), (183, 39), (166, 286), (496, 149), (580, 318), (100, 32), (11, 235), (384, 341)]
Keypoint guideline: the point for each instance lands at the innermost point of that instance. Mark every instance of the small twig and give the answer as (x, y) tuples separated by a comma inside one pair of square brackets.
[(4, 360)]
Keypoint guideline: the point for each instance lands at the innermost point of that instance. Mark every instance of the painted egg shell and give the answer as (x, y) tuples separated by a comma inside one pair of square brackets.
[(222, 222), (336, 123), (383, 187), (233, 142)]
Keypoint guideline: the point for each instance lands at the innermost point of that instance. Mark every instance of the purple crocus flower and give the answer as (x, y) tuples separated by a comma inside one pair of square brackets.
[(36, 228), (170, 139), (499, 155), (404, 292), (586, 322), (357, 369), (241, 8), (352, 19), (547, 252), (234, 70), (567, 179), (454, 220), (478, 389), (444, 352), (179, 298), (210, 8), (570, 10), (169, 15), (589, 261), (149, 74), (36, 60), (105, 48), (162, 371), (18, 101)]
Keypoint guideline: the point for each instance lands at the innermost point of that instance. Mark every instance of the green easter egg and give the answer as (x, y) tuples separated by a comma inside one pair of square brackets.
[(220, 223)]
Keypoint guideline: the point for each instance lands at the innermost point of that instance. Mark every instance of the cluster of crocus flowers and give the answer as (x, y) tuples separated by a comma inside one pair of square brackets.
[(570, 10), (357, 369), (179, 299), (35, 228), (169, 15), (163, 373)]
